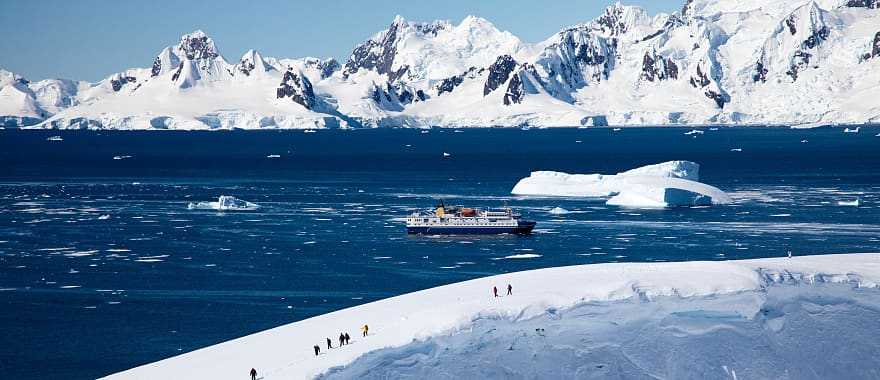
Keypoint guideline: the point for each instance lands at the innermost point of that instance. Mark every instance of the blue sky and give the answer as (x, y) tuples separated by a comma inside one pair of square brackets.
[(90, 39)]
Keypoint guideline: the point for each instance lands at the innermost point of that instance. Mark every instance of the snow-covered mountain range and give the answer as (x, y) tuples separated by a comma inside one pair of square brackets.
[(712, 62)]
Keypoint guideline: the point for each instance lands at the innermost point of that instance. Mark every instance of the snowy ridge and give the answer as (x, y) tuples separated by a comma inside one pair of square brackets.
[(285, 353), (713, 62)]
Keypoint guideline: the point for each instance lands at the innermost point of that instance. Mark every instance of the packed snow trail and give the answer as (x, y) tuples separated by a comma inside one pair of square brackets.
[(286, 352)]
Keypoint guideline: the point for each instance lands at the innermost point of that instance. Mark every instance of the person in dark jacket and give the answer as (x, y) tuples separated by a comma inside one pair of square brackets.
[(317, 350), (253, 374), (347, 338), (509, 290), (329, 343), (341, 339), (495, 290)]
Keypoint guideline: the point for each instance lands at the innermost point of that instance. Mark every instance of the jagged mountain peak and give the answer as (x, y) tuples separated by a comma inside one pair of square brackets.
[(252, 63), (412, 51)]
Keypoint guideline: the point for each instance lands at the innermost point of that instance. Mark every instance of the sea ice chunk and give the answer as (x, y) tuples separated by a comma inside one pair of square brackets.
[(224, 203)]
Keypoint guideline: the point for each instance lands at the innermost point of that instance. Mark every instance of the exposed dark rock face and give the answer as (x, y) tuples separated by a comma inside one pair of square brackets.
[(671, 23), (449, 84), (611, 22), (580, 57), (198, 47), (760, 72), (157, 67), (657, 68), (802, 57), (298, 88), (790, 23), (375, 55), (245, 67), (120, 81), (701, 80), (871, 4), (515, 91), (177, 72), (328, 67), (499, 72), (875, 49)]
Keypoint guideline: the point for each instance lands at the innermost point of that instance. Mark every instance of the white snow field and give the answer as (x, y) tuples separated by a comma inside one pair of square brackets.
[(800, 317), (781, 62), (668, 184)]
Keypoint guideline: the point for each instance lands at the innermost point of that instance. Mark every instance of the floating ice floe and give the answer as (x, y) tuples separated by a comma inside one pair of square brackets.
[(446, 154), (54, 138), (668, 184), (309, 131), (736, 149), (694, 132), (274, 156), (854, 130), (558, 211), (123, 157), (855, 203), (224, 203), (104, 217)]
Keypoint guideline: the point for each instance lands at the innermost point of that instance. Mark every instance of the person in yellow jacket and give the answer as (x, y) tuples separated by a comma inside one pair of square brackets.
[(365, 329)]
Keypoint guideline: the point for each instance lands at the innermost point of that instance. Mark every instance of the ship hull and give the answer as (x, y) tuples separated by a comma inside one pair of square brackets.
[(524, 228)]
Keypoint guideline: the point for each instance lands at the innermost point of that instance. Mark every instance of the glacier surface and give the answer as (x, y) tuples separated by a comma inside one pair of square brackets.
[(800, 317)]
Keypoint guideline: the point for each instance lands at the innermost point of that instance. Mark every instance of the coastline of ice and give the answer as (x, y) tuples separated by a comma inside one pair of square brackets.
[(668, 184), (711, 296), (224, 203)]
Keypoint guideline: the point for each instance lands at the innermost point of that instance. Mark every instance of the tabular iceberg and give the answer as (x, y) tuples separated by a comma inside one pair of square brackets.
[(668, 184)]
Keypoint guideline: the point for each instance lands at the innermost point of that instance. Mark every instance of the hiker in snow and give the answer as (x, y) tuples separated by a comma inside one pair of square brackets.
[(253, 374), (509, 290), (366, 329), (347, 338), (789, 254), (317, 350), (341, 339), (495, 290), (329, 343)]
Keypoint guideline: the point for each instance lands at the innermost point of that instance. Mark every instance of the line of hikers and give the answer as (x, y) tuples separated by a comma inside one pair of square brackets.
[(344, 339), (509, 290)]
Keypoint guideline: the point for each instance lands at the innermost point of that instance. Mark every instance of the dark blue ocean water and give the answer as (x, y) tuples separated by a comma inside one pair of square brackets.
[(103, 267)]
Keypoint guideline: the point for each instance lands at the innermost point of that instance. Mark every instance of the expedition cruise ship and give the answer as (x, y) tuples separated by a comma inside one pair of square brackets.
[(463, 220)]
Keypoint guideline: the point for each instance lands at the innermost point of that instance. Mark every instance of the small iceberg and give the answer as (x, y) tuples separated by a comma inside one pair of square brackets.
[(224, 203), (558, 211), (104, 217), (855, 203), (123, 157), (446, 154), (736, 149), (854, 130), (309, 131), (616, 130), (694, 132), (804, 141), (54, 138), (274, 156)]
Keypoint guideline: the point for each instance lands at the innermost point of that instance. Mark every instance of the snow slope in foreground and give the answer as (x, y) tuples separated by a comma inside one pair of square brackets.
[(285, 352), (667, 184)]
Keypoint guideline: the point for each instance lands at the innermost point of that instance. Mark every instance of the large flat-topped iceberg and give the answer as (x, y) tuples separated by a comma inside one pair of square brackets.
[(739, 287), (668, 184)]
